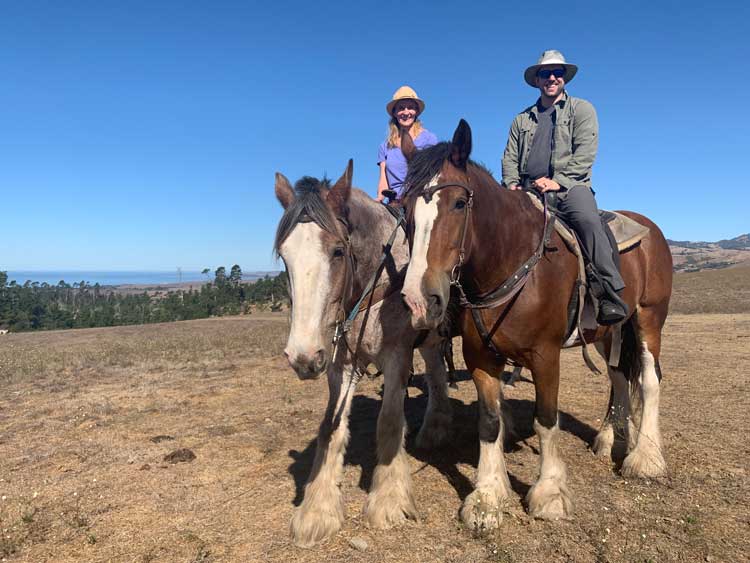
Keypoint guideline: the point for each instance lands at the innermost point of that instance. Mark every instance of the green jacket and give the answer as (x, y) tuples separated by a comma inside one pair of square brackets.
[(575, 141)]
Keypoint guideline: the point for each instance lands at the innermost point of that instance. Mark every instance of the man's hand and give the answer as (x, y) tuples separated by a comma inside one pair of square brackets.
[(514, 187), (546, 185)]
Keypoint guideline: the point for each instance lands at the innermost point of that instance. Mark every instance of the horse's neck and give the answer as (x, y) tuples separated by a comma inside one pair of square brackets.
[(507, 229), (372, 226)]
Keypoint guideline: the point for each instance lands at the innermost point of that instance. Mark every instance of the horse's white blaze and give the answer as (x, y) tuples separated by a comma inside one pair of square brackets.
[(309, 277), (425, 214)]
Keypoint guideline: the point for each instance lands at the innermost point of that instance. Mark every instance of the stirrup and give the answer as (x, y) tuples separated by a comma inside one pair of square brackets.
[(611, 312)]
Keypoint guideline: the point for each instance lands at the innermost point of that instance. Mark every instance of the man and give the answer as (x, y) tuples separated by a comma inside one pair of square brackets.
[(551, 148)]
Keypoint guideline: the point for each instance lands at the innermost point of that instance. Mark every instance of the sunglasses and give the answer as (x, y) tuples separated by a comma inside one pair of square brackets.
[(547, 72)]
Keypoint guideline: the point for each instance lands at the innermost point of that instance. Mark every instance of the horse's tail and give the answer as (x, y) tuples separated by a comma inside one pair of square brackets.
[(630, 352)]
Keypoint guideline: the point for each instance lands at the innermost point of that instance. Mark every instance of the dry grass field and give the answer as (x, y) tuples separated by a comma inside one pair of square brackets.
[(88, 416), (712, 291)]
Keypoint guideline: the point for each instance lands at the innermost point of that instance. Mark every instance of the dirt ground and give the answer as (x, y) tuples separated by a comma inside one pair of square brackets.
[(88, 416)]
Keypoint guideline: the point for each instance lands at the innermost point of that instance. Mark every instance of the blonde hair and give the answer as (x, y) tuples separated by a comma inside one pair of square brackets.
[(394, 132)]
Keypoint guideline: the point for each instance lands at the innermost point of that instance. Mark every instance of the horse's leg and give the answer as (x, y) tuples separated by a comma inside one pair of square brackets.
[(483, 508), (549, 497), (390, 500), (646, 458), (436, 425), (617, 415), (322, 511)]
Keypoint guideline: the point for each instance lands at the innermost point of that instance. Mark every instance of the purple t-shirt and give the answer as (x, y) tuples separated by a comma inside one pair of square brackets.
[(395, 163)]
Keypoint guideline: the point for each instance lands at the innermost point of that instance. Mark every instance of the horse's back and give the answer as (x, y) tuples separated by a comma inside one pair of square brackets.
[(651, 261)]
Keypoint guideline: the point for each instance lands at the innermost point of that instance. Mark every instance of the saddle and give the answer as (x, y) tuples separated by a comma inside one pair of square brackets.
[(624, 233)]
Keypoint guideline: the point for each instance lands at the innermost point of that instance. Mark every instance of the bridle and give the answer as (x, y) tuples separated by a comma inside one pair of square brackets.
[(346, 314), (512, 285), (507, 290), (427, 194)]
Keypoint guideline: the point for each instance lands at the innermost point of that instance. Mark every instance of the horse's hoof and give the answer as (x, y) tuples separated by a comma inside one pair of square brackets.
[(313, 524), (644, 464), (549, 500), (483, 510), (603, 442), (383, 517), (388, 511)]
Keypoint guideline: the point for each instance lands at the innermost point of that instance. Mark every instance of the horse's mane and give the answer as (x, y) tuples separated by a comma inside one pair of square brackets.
[(427, 162), (307, 206)]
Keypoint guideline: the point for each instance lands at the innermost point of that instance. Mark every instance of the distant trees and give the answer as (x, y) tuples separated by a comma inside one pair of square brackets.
[(33, 306), (235, 275)]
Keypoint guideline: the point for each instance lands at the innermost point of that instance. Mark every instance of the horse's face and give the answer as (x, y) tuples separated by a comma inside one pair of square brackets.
[(437, 226), (317, 262)]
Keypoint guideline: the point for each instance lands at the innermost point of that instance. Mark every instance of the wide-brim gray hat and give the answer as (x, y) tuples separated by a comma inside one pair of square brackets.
[(550, 57)]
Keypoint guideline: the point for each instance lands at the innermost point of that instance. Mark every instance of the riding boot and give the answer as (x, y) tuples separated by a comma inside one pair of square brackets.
[(612, 308)]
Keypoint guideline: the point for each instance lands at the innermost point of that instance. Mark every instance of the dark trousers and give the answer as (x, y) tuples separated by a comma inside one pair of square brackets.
[(577, 207)]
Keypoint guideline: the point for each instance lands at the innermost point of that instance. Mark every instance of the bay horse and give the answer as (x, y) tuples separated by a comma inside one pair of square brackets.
[(332, 239), (465, 228)]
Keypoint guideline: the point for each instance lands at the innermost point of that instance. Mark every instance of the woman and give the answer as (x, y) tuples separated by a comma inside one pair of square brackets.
[(404, 109)]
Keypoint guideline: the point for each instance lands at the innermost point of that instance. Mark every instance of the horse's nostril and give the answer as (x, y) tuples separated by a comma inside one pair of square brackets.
[(320, 358), (435, 301)]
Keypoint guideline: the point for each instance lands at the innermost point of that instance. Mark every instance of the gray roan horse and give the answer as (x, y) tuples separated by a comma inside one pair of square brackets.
[(332, 240)]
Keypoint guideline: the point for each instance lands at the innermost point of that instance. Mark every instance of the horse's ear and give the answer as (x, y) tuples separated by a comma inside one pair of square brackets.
[(341, 190), (461, 145), (284, 191), (408, 147)]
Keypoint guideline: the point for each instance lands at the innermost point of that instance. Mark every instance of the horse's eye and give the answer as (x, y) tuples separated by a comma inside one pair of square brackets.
[(460, 204), (338, 252)]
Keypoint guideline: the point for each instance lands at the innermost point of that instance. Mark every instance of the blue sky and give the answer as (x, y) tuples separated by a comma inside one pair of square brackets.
[(145, 135)]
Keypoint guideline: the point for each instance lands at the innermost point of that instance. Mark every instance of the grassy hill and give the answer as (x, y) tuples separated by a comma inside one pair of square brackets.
[(695, 256), (712, 291)]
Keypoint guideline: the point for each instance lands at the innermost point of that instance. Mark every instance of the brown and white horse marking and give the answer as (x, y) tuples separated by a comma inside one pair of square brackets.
[(502, 230), (331, 240)]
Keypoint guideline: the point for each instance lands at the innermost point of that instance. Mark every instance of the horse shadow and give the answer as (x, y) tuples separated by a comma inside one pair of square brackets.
[(464, 447)]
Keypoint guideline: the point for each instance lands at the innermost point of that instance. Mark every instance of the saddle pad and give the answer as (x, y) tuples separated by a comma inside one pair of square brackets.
[(627, 232)]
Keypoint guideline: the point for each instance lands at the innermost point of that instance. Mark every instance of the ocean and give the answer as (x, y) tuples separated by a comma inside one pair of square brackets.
[(53, 277)]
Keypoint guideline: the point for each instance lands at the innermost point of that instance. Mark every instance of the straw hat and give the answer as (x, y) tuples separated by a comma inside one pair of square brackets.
[(404, 93), (550, 57)]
